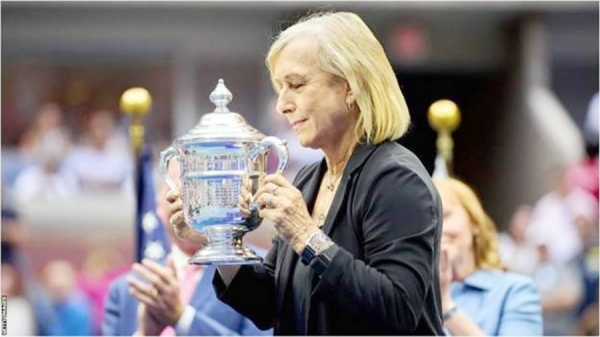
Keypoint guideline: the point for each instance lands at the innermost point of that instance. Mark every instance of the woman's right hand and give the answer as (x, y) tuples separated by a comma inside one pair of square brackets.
[(446, 277), (177, 219)]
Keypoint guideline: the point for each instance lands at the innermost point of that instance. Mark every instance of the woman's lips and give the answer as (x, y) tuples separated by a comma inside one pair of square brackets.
[(298, 123)]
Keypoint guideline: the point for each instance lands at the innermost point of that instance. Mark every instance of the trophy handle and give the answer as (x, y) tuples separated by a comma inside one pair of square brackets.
[(280, 147), (262, 148), (165, 157)]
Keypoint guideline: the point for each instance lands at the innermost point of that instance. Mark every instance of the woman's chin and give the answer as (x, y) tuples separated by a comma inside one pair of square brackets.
[(306, 141)]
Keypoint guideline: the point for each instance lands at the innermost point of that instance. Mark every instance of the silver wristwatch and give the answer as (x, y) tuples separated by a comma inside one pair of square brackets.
[(317, 243)]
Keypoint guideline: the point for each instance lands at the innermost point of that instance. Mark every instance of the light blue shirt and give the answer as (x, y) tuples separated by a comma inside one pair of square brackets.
[(500, 303)]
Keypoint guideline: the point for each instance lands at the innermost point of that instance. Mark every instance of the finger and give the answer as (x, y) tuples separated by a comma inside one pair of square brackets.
[(166, 275), (245, 194), (177, 221), (172, 195), (155, 280), (274, 215), (142, 291), (143, 298), (247, 185), (269, 201), (279, 180), (274, 189), (141, 313), (454, 269), (244, 210), (444, 259), (244, 199), (175, 206)]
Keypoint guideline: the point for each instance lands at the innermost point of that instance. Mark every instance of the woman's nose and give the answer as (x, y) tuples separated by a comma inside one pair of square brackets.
[(284, 104)]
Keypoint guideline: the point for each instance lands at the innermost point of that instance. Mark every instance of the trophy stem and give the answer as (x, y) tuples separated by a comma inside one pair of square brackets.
[(225, 247)]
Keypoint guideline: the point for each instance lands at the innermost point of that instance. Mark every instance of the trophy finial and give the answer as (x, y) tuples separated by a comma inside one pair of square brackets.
[(221, 96)]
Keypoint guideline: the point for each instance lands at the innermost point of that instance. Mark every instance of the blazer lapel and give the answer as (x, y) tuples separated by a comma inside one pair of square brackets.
[(287, 259), (359, 156)]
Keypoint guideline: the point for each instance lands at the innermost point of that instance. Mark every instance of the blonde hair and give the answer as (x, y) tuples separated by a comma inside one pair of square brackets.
[(485, 243), (348, 49)]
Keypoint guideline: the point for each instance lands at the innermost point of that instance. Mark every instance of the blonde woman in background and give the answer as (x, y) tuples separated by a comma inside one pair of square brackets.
[(478, 296)]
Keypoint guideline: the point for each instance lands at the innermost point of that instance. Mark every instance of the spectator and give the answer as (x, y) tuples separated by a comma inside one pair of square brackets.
[(516, 251), (101, 266), (98, 165), (20, 316), (478, 296), (70, 313)]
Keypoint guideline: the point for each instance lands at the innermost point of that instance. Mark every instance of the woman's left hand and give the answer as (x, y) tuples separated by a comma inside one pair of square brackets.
[(282, 203)]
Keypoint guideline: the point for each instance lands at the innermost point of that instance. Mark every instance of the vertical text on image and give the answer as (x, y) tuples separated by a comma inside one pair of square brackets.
[(3, 315)]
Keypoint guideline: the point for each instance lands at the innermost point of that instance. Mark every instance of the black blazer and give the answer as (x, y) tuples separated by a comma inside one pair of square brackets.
[(383, 278)]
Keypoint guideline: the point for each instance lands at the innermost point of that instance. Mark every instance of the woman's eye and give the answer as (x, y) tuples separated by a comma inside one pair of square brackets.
[(296, 85)]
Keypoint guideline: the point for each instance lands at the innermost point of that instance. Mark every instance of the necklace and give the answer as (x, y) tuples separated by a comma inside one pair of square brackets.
[(331, 185), (332, 182)]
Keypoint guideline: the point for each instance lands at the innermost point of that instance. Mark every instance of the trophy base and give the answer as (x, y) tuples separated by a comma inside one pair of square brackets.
[(225, 247)]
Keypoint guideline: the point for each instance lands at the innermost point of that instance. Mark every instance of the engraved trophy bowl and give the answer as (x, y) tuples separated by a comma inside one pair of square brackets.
[(216, 156)]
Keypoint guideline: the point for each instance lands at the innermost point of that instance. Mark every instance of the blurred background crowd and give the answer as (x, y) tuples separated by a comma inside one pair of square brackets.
[(524, 74)]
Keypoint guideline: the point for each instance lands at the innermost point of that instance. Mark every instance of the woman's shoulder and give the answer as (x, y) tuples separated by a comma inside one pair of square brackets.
[(506, 280), (391, 157), (394, 156)]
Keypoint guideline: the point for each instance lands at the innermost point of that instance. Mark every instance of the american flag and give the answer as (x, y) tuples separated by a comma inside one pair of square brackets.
[(152, 239)]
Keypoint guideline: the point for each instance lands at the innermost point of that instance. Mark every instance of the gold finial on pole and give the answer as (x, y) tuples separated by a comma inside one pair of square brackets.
[(136, 102), (444, 117)]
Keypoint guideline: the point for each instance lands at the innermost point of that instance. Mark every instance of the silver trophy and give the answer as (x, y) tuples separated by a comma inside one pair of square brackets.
[(216, 156)]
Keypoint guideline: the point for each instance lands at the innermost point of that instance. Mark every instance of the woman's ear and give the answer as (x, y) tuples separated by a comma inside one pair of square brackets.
[(350, 99)]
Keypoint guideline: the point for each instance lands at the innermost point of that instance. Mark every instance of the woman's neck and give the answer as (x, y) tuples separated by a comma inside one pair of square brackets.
[(337, 156)]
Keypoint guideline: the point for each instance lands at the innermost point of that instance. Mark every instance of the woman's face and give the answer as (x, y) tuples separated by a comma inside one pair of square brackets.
[(314, 102), (457, 230)]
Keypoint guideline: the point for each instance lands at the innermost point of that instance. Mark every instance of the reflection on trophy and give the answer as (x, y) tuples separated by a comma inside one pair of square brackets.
[(216, 156)]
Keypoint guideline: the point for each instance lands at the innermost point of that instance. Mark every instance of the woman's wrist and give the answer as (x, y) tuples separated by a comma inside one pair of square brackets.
[(447, 303), (299, 241), (450, 312)]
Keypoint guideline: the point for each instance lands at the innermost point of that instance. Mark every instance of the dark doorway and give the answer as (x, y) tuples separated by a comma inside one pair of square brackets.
[(481, 97)]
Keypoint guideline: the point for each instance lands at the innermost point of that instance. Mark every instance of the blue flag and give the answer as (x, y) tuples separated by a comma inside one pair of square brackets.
[(152, 239)]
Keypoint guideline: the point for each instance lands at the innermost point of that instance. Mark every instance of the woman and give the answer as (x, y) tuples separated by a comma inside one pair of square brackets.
[(357, 250), (478, 296)]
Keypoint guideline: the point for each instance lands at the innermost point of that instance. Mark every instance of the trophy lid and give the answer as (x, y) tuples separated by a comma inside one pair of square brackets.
[(221, 124)]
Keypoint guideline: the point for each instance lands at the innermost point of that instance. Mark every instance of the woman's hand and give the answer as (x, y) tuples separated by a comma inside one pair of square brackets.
[(177, 219), (446, 278), (282, 203)]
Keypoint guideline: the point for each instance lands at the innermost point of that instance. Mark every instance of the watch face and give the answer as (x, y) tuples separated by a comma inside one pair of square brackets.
[(320, 242)]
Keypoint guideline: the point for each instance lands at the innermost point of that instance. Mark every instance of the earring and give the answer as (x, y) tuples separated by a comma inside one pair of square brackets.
[(350, 106)]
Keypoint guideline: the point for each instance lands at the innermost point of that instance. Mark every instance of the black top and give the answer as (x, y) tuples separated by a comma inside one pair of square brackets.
[(385, 221)]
